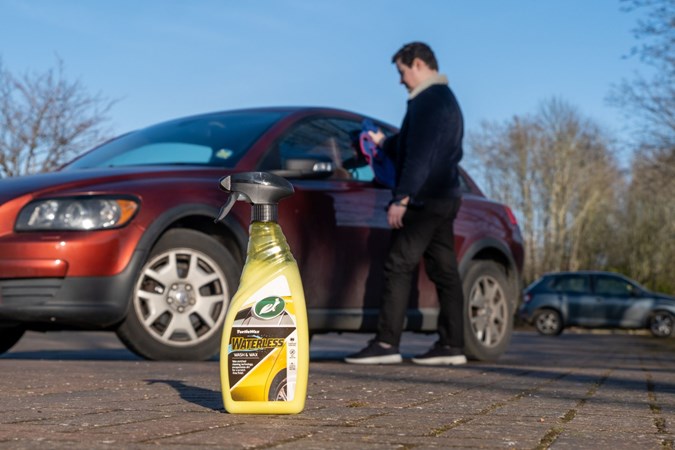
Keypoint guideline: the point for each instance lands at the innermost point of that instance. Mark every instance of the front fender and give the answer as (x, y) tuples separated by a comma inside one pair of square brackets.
[(174, 215)]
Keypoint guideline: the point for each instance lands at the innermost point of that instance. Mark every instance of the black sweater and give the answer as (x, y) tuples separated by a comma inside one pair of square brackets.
[(428, 148)]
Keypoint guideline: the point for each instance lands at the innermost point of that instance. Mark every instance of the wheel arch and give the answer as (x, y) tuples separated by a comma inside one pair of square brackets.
[(490, 249), (662, 306), (199, 218), (550, 307)]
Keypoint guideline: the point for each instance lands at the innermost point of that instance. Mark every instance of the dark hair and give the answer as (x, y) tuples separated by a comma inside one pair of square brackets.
[(413, 50)]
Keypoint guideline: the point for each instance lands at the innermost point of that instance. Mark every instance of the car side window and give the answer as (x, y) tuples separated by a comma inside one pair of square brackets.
[(605, 285), (574, 284), (329, 138)]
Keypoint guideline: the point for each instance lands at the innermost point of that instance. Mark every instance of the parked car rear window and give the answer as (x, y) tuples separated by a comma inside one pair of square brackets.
[(578, 284), (213, 140)]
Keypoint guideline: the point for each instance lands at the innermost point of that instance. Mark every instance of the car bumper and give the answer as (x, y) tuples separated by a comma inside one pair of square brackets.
[(69, 254), (79, 302)]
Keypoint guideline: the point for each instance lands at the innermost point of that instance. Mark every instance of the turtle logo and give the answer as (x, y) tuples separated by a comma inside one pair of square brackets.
[(269, 308)]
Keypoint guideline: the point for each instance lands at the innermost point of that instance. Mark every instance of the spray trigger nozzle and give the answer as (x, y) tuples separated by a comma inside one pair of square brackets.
[(225, 209), (262, 190)]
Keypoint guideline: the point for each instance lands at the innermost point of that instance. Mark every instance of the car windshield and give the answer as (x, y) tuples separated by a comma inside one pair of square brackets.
[(218, 140)]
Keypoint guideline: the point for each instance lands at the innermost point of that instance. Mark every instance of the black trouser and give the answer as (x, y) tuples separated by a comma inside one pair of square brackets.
[(426, 232)]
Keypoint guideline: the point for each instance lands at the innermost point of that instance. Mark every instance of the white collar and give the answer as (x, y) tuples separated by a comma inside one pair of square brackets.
[(432, 80)]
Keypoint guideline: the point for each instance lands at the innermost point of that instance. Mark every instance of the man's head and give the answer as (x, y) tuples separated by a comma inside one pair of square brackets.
[(415, 63)]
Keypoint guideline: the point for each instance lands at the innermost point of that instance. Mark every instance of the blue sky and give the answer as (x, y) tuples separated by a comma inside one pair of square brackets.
[(168, 58)]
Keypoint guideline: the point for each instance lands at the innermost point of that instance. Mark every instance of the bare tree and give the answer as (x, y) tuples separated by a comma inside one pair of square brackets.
[(505, 156), (557, 171), (45, 120), (578, 182), (646, 238), (649, 100)]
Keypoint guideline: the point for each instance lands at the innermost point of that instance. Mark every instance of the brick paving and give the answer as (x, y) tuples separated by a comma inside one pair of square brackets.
[(578, 390)]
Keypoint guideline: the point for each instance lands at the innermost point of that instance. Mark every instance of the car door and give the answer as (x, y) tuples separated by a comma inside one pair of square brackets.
[(574, 293), (336, 226), (614, 297)]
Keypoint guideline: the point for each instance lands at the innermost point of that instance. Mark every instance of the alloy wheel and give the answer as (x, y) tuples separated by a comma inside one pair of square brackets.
[(488, 311), (661, 324), (180, 297), (548, 323)]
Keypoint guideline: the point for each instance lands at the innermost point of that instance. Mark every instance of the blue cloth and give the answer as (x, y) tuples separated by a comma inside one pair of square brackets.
[(383, 167)]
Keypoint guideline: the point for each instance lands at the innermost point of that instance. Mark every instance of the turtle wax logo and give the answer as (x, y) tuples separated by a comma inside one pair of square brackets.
[(269, 308)]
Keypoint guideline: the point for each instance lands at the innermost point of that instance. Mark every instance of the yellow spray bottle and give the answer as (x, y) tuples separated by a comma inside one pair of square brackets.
[(264, 356)]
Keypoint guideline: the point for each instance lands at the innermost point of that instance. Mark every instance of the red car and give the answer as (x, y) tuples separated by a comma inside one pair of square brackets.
[(123, 238)]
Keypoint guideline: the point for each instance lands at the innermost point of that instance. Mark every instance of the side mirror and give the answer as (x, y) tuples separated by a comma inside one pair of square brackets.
[(314, 167)]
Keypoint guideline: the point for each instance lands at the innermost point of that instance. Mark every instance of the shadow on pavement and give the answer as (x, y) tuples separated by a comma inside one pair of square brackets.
[(205, 398)]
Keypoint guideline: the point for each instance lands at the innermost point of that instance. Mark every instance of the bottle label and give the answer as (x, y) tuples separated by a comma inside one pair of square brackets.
[(262, 355)]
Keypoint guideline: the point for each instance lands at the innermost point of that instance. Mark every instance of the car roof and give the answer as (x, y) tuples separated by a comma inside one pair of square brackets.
[(286, 110)]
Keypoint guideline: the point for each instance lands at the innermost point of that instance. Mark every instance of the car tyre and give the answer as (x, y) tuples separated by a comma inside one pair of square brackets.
[(661, 324), (487, 310), (180, 298), (9, 336), (548, 322)]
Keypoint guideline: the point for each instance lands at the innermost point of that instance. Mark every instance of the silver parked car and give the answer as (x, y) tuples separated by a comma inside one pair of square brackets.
[(595, 300)]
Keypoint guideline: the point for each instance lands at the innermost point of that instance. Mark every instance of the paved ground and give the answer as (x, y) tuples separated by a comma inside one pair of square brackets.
[(580, 390)]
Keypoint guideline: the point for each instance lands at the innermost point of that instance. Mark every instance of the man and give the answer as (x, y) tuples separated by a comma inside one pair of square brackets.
[(425, 202)]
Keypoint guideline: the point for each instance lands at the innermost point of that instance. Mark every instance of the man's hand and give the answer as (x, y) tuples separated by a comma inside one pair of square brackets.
[(377, 136), (395, 216), (396, 212)]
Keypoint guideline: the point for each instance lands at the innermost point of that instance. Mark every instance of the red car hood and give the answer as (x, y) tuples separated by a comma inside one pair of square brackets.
[(43, 183)]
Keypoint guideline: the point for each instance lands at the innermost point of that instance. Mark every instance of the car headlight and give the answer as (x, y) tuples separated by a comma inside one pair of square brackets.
[(87, 213)]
